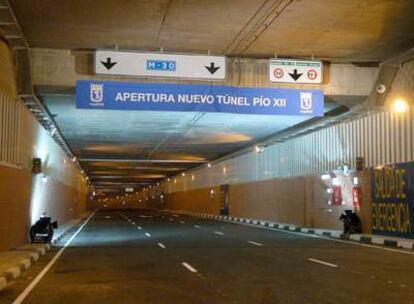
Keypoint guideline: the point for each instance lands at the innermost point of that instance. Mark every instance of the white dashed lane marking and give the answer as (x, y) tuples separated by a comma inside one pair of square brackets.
[(181, 222), (189, 267), (254, 243), (218, 232), (323, 263), (147, 234), (161, 245), (196, 226)]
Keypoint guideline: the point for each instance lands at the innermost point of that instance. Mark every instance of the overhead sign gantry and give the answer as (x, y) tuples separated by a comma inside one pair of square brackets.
[(295, 71), (160, 65)]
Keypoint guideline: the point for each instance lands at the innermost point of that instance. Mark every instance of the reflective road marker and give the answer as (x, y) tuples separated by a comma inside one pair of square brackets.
[(33, 284), (323, 263), (189, 267)]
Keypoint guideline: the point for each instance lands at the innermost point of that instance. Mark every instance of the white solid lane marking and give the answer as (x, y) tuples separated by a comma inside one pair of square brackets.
[(196, 226), (218, 232), (161, 245), (147, 234), (33, 284), (254, 243), (326, 238), (189, 267), (323, 263)]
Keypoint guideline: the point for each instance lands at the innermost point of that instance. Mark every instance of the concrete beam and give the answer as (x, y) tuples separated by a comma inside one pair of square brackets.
[(61, 68)]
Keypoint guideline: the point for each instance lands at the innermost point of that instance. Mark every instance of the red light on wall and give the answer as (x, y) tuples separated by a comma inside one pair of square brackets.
[(357, 197), (336, 195)]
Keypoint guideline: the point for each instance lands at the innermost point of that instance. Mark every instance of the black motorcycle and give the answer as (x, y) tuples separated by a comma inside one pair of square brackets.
[(352, 223), (42, 230)]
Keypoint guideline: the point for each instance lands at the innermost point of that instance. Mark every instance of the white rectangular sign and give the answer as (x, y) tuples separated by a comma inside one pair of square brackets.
[(160, 65), (295, 71)]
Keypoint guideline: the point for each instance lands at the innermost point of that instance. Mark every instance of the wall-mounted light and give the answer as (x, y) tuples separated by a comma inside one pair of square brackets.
[(259, 149), (209, 165), (53, 132), (400, 106), (355, 180), (183, 174), (325, 177), (192, 177)]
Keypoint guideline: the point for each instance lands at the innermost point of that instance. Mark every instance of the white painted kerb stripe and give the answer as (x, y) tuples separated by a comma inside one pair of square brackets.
[(189, 267), (161, 245), (323, 263), (33, 284), (254, 243)]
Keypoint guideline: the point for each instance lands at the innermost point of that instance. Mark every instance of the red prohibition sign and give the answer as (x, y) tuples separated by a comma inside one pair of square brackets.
[(278, 73), (312, 74)]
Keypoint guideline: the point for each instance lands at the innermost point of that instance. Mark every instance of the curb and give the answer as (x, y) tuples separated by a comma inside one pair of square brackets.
[(14, 272), (374, 240)]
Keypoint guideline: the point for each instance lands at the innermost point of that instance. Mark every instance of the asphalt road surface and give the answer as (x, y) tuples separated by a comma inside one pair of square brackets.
[(153, 257)]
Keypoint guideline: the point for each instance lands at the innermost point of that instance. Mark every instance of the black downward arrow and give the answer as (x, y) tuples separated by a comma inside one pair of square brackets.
[(295, 75), (212, 68), (108, 63)]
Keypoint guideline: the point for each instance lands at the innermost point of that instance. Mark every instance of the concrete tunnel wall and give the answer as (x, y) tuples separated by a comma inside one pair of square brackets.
[(60, 190), (295, 200)]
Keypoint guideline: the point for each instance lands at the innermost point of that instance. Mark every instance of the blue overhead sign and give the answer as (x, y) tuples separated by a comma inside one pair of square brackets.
[(197, 98)]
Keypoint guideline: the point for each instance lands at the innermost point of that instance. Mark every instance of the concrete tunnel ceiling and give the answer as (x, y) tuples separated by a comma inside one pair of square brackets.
[(337, 31), (182, 139), (352, 30)]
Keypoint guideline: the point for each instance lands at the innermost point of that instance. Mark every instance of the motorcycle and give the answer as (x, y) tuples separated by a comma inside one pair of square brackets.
[(42, 230), (352, 222)]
